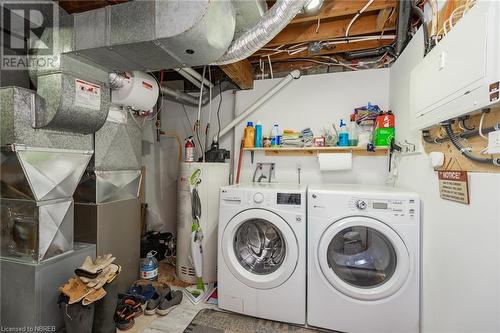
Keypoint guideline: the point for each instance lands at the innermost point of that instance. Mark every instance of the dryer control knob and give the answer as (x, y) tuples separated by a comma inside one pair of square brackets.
[(361, 204), (258, 197)]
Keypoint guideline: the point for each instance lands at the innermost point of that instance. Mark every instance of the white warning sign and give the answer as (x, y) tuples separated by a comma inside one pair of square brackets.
[(87, 95)]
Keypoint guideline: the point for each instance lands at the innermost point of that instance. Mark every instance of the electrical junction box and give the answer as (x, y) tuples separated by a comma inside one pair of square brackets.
[(461, 74), (494, 142)]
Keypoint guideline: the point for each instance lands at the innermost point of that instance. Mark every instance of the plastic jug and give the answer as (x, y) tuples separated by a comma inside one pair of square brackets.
[(149, 267)]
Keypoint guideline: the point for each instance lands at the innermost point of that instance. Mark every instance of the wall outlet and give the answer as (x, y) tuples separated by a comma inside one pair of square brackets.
[(494, 142)]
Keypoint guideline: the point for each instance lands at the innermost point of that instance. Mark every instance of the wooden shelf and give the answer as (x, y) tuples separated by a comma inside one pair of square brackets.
[(314, 151)]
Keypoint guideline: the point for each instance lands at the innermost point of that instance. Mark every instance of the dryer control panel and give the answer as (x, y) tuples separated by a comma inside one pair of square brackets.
[(395, 207)]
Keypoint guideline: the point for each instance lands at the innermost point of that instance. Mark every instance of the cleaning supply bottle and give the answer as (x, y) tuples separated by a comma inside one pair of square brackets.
[(258, 134), (275, 136), (189, 148), (149, 267), (343, 134), (249, 136), (353, 131)]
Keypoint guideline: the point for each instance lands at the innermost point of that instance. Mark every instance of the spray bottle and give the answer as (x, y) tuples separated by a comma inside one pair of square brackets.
[(189, 147), (343, 134)]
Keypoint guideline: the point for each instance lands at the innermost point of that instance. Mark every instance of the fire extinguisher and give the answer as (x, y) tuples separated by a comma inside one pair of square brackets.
[(189, 149)]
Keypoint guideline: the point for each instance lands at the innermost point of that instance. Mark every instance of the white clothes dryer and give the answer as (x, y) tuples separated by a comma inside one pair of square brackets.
[(363, 259)]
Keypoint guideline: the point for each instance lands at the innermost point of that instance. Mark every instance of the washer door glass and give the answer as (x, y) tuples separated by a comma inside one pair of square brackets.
[(362, 257), (259, 246)]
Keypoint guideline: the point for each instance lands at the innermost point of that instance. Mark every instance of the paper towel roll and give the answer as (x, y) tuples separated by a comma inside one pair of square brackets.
[(335, 161)]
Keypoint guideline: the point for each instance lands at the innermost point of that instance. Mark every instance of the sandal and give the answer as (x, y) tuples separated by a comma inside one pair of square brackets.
[(124, 317)]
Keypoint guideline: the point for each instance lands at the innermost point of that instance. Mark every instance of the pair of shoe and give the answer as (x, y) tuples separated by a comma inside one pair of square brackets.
[(127, 310), (163, 301)]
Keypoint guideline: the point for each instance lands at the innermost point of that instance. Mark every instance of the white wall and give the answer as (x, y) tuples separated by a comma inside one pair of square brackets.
[(161, 161), (314, 101), (460, 243)]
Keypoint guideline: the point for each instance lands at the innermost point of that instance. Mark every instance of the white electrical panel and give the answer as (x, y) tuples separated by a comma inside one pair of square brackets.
[(494, 142), (461, 74)]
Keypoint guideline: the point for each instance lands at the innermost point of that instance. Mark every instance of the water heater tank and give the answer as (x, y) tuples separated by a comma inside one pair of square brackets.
[(213, 177), (137, 90)]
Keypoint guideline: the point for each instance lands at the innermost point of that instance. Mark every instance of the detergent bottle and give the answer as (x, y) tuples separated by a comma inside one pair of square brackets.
[(343, 134), (249, 136), (258, 134)]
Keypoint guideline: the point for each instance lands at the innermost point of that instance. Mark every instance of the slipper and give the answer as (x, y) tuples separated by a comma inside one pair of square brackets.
[(144, 288), (170, 302), (124, 317), (136, 307)]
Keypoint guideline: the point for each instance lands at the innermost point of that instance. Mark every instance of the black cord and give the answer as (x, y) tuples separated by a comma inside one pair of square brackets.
[(218, 111)]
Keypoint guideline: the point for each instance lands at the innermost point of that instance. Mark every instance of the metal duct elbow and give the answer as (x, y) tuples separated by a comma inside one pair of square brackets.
[(273, 21)]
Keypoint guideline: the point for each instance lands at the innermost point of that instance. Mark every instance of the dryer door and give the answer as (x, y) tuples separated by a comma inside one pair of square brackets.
[(363, 258), (260, 248)]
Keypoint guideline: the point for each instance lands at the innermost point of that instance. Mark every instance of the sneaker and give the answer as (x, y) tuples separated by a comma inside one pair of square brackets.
[(171, 300), (156, 300)]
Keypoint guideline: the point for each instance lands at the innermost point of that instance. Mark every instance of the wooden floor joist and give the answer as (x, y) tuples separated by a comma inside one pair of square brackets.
[(338, 8), (241, 73), (309, 32)]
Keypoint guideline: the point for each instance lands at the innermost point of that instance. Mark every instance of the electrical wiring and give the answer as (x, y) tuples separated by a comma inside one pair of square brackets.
[(135, 120), (270, 66), (198, 118), (481, 126), (358, 14)]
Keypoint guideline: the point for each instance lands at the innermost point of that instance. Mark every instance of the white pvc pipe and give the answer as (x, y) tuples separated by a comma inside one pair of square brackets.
[(259, 102), (197, 76), (188, 77)]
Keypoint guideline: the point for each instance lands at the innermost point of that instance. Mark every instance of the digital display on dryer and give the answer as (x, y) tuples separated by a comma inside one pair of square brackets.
[(288, 199)]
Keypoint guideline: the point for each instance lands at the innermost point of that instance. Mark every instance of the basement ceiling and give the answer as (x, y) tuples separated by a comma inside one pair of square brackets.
[(309, 40)]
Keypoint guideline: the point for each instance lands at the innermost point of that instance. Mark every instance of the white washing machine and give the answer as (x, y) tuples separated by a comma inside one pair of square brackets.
[(363, 259), (262, 251)]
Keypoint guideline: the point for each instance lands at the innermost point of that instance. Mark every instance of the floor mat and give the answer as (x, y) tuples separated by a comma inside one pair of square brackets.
[(213, 321)]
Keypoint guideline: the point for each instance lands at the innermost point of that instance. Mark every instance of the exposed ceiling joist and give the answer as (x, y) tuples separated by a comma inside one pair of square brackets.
[(338, 8), (241, 73), (309, 32)]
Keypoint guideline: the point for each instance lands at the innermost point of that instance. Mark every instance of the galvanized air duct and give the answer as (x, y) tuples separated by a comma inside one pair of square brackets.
[(186, 99), (76, 94), (273, 21)]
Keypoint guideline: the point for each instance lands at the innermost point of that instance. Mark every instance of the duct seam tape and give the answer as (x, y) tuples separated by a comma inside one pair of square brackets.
[(335, 161)]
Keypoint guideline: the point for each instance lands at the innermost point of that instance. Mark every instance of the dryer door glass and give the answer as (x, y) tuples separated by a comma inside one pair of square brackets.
[(362, 257), (259, 246)]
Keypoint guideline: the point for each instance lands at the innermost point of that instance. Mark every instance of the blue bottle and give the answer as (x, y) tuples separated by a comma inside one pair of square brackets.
[(343, 135), (258, 134)]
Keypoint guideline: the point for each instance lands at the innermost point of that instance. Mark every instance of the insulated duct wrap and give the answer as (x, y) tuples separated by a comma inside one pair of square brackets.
[(273, 21)]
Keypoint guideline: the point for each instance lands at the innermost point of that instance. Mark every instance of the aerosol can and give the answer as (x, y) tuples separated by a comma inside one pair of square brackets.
[(189, 147)]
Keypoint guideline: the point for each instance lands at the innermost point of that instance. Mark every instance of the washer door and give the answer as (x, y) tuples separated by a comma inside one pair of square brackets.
[(363, 258), (259, 248)]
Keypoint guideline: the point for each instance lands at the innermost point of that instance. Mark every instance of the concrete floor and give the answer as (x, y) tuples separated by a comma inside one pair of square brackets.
[(174, 322)]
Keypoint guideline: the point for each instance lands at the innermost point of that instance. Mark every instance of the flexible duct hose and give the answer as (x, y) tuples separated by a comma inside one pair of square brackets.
[(273, 21), (456, 142)]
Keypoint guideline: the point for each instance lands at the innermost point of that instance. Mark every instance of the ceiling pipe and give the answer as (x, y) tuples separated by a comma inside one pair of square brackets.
[(260, 101), (194, 77), (403, 21), (270, 24)]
